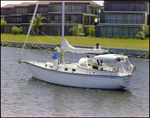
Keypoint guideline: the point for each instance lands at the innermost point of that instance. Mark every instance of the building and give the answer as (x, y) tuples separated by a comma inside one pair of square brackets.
[(80, 13), (122, 18)]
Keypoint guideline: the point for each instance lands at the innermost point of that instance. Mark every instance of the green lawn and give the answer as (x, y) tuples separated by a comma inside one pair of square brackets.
[(130, 43)]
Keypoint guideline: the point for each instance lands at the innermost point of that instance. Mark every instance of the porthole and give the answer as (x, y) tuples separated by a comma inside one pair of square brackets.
[(50, 66), (66, 69), (74, 70), (45, 65)]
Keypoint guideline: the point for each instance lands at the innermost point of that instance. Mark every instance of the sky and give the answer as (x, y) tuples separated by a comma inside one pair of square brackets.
[(3, 3)]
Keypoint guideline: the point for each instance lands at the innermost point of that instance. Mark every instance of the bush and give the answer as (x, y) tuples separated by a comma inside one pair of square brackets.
[(3, 22), (145, 30), (125, 38), (118, 37), (140, 35), (92, 31), (16, 30), (74, 30)]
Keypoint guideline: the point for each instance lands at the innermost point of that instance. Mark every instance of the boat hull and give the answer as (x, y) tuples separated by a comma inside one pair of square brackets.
[(79, 80)]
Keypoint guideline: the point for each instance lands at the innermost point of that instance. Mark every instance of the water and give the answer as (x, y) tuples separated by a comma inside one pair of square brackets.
[(24, 96)]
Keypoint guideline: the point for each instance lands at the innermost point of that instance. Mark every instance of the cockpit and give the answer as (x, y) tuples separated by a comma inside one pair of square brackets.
[(87, 62)]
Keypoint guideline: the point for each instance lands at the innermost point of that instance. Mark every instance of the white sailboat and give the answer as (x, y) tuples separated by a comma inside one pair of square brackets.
[(85, 73)]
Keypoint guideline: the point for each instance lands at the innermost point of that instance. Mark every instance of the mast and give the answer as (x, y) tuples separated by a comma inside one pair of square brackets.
[(63, 12)]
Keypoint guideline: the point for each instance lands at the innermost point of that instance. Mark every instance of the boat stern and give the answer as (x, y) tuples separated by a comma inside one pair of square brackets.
[(126, 81)]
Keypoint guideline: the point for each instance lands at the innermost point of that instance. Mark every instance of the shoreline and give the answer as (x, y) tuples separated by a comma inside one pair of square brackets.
[(129, 52)]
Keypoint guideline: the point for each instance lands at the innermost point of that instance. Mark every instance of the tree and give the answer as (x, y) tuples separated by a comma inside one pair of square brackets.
[(37, 22), (3, 23), (74, 30), (92, 31)]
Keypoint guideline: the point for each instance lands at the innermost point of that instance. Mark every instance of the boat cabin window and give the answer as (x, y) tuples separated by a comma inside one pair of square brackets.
[(74, 70), (91, 62), (85, 62)]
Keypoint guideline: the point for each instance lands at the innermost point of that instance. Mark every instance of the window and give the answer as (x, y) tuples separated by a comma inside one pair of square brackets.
[(109, 32), (25, 29), (79, 8), (59, 18), (55, 18), (73, 8), (57, 8), (14, 19), (45, 10), (133, 19), (8, 29), (54, 30), (69, 8), (131, 33), (90, 10), (113, 7), (136, 30), (5, 11), (80, 30), (129, 19), (142, 8), (113, 18), (125, 32), (137, 7), (123, 7), (22, 11), (107, 18), (18, 19), (124, 18), (117, 7), (42, 9), (115, 31), (139, 19), (74, 70), (76, 18), (119, 18), (102, 31), (132, 7), (84, 8)]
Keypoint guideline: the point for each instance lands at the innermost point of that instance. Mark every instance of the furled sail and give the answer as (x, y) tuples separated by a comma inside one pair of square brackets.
[(110, 57), (67, 47)]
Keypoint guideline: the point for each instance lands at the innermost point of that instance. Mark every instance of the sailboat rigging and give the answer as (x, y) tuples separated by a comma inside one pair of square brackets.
[(86, 73)]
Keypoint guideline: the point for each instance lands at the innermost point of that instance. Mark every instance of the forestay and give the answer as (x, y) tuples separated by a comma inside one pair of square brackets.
[(67, 47)]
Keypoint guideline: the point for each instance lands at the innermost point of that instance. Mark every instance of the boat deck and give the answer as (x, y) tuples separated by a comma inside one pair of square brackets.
[(76, 68)]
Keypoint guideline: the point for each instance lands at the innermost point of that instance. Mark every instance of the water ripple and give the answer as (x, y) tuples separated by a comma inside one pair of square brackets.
[(24, 96)]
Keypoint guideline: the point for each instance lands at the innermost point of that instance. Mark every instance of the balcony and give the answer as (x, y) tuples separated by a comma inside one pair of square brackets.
[(123, 21)]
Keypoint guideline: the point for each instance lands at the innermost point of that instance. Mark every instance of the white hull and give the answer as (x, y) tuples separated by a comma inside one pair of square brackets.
[(79, 80)]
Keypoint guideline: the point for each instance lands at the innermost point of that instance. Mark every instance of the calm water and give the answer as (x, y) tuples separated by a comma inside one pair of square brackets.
[(22, 95)]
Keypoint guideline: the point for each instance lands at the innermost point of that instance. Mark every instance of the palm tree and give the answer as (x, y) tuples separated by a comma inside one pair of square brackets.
[(3, 23), (37, 22)]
